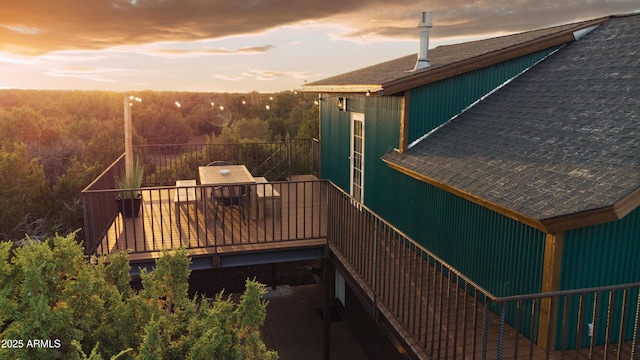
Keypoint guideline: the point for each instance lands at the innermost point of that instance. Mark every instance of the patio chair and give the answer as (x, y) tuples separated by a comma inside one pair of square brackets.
[(219, 163), (228, 196)]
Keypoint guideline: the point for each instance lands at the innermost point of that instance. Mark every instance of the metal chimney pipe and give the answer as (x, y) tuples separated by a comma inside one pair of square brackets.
[(426, 22)]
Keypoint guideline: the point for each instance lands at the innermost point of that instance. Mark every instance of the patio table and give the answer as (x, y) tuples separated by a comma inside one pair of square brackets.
[(238, 175)]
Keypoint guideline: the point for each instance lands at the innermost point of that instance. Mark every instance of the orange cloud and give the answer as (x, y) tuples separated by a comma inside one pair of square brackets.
[(220, 51)]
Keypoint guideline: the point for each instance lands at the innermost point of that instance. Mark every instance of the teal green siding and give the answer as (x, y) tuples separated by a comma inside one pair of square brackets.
[(600, 255), (434, 104), (501, 254), (605, 254), (334, 142)]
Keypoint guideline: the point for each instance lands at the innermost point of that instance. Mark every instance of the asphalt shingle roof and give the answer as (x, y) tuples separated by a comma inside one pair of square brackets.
[(440, 56), (563, 138)]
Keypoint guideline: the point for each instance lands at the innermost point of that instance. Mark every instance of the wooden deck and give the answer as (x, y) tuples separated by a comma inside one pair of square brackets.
[(435, 313), (301, 223), (428, 317)]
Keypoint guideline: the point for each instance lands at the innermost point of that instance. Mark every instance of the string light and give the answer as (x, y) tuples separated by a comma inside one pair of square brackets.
[(134, 98)]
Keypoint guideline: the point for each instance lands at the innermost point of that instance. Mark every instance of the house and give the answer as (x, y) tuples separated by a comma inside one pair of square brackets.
[(515, 159), (481, 206)]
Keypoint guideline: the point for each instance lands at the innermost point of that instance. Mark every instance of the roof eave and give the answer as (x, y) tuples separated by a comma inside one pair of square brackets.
[(579, 220), (482, 61), (613, 212), (470, 197), (373, 88)]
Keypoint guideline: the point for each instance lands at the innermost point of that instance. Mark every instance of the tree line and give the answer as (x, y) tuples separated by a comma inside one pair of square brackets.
[(54, 143)]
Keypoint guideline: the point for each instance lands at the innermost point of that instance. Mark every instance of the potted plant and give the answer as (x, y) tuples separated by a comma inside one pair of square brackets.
[(130, 198)]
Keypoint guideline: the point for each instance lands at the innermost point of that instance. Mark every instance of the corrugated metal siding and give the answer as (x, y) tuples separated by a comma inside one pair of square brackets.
[(501, 254), (334, 140), (605, 254), (434, 104)]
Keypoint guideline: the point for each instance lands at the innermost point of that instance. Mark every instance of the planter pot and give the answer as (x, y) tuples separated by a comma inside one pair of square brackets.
[(129, 208)]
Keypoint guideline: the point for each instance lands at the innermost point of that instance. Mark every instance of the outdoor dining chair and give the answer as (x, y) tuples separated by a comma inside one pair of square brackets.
[(228, 196)]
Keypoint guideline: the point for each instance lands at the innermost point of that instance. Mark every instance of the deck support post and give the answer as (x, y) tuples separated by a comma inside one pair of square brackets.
[(326, 311), (273, 276), (550, 282)]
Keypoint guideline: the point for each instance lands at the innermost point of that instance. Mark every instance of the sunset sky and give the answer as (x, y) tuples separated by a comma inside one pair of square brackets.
[(243, 46)]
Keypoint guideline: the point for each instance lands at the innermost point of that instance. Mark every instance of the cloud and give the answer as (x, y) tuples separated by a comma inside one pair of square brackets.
[(219, 51), (41, 26), (266, 75), (23, 29), (228, 77), (100, 74), (8, 58)]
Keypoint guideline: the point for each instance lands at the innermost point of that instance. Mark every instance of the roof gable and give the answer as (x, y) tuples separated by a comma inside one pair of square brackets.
[(558, 147)]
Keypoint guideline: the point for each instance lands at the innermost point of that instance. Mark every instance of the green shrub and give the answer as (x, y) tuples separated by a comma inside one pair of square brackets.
[(49, 293)]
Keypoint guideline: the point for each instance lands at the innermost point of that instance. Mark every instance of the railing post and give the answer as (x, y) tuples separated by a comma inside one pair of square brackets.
[(503, 309), (89, 227), (316, 153), (376, 239), (215, 229), (636, 325), (329, 218), (289, 152), (485, 328), (331, 203), (326, 278)]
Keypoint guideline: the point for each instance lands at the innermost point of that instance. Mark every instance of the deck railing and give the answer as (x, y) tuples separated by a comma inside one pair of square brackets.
[(167, 221), (275, 160), (100, 209), (447, 315), (164, 164)]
